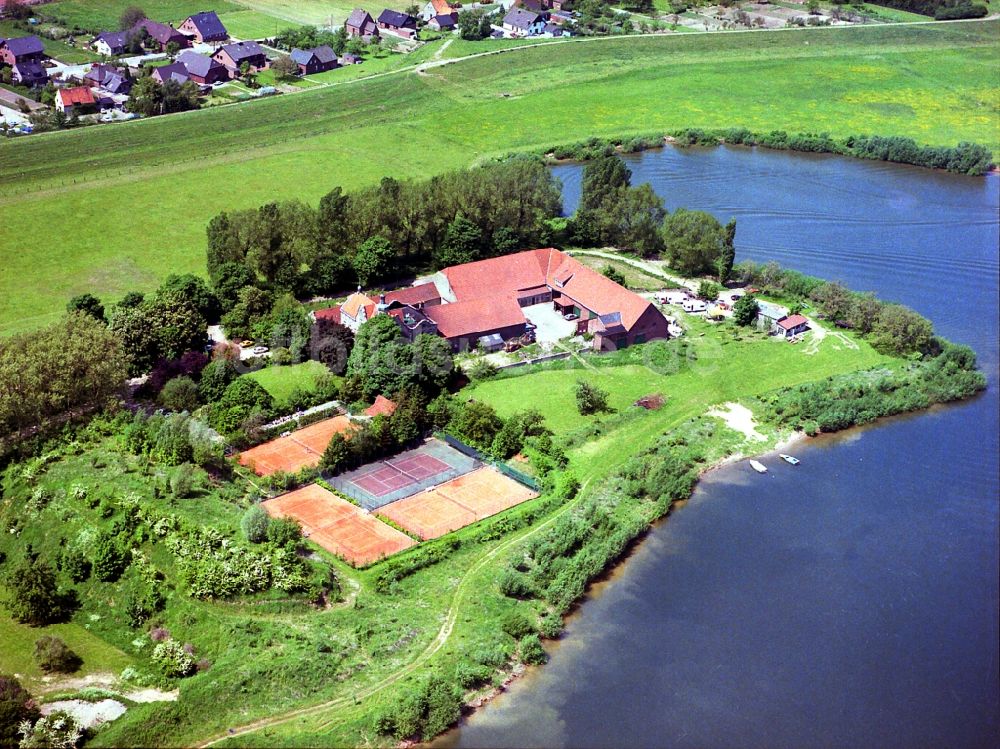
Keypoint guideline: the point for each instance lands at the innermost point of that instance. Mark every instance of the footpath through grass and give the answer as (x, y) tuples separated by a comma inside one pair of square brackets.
[(159, 181)]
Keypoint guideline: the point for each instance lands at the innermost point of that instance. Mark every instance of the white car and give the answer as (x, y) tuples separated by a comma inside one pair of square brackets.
[(260, 349)]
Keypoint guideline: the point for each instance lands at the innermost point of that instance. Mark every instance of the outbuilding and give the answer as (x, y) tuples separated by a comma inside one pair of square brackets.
[(791, 326)]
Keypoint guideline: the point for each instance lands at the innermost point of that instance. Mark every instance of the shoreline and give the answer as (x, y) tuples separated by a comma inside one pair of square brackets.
[(608, 575)]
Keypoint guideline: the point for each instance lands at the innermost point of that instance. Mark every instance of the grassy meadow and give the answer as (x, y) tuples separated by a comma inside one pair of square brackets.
[(281, 382), (104, 14), (159, 181)]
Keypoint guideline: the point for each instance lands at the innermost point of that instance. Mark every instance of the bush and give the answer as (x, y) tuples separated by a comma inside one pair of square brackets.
[(284, 532), (254, 523), (481, 370), (532, 652), (517, 624), (515, 584), (183, 481), (179, 394), (171, 657), (16, 705), (110, 559), (52, 656), (551, 626), (57, 730), (74, 563), (591, 399)]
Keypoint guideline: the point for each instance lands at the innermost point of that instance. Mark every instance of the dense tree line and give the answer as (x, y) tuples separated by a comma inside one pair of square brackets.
[(614, 213), (964, 158), (385, 231), (891, 328), (53, 372)]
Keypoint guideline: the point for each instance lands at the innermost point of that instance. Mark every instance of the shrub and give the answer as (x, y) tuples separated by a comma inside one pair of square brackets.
[(57, 730), (515, 584), (254, 523), (481, 370), (74, 563), (171, 657), (517, 624), (183, 481), (284, 532), (110, 560), (532, 652), (16, 706), (470, 675), (179, 394), (551, 626), (52, 655), (591, 399)]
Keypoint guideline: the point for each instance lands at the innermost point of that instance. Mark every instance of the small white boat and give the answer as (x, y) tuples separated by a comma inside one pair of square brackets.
[(789, 459), (758, 466)]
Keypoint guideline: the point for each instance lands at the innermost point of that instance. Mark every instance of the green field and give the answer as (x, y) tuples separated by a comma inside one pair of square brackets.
[(317, 12), (159, 181), (104, 14), (19, 641), (280, 382)]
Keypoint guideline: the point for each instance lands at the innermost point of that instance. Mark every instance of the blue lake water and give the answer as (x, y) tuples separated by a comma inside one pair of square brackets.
[(851, 601)]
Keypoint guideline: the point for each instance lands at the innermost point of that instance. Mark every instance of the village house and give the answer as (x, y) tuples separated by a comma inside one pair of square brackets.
[(175, 71), (232, 56), (791, 326), (202, 69), (615, 316), (78, 100), (204, 27), (447, 22), (398, 23), (31, 74), (361, 25), (768, 314), (110, 43), (315, 60), (437, 8), (22, 49), (486, 300), (161, 35), (519, 22), (108, 78)]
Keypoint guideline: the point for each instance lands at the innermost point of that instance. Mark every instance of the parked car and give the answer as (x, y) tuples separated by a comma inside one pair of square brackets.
[(246, 344), (260, 349), (570, 316)]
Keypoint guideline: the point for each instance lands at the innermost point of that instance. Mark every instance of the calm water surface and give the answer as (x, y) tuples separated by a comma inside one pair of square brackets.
[(851, 601)]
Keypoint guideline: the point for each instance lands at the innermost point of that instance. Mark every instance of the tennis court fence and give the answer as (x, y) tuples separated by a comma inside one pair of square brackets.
[(521, 478)]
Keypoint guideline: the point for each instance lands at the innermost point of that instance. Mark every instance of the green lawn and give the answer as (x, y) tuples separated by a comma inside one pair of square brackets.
[(251, 24), (19, 641), (280, 382), (893, 14), (317, 12), (707, 376), (97, 15), (934, 82)]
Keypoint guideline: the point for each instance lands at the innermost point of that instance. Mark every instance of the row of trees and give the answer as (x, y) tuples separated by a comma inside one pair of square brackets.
[(388, 230), (612, 212)]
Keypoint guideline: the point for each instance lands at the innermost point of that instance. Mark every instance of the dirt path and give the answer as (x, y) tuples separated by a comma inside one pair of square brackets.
[(435, 645), (644, 265)]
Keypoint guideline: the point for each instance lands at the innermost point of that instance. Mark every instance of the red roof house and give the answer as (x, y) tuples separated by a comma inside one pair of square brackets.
[(614, 315), (792, 325), (463, 323), (70, 100)]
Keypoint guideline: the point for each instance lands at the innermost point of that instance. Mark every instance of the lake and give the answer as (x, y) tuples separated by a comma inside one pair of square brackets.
[(851, 601)]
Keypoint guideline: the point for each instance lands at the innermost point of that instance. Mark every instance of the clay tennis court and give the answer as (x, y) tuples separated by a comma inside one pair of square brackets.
[(457, 503), (338, 526), (384, 481), (302, 448)]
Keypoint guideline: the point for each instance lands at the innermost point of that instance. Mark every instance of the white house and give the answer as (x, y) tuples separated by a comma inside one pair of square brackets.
[(436, 8), (519, 22)]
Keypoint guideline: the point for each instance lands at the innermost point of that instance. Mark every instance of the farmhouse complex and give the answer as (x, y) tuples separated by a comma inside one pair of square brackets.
[(473, 303)]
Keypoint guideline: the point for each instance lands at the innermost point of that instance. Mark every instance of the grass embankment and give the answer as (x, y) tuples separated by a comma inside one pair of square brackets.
[(159, 181), (283, 381), (97, 656)]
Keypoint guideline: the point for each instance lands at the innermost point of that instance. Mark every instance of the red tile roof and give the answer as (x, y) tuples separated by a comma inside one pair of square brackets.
[(330, 313), (354, 303), (547, 267), (381, 407), (476, 316), (423, 294), (73, 96), (792, 321)]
